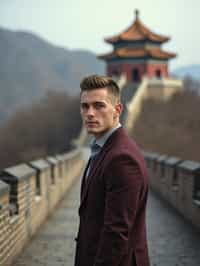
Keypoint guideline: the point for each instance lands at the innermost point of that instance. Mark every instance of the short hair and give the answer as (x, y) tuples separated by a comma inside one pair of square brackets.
[(95, 82)]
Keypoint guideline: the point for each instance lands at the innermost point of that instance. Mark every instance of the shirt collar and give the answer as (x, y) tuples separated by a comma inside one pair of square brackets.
[(101, 141)]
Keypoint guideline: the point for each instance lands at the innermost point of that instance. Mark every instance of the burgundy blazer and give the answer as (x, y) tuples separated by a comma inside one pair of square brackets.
[(112, 230)]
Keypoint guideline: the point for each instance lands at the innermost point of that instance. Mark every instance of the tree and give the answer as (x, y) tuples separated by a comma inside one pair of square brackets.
[(45, 128)]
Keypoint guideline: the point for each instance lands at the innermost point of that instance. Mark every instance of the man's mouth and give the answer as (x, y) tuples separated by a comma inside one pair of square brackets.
[(91, 123)]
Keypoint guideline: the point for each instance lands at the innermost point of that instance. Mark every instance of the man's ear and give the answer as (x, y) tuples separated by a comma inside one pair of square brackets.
[(119, 108)]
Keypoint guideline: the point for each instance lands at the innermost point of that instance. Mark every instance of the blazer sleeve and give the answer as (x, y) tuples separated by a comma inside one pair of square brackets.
[(124, 183)]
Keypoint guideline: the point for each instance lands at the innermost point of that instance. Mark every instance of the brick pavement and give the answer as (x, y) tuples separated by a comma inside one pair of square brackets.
[(172, 240), (54, 244)]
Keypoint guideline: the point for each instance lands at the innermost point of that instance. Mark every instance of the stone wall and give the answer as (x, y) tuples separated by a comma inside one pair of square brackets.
[(177, 182), (162, 89), (28, 195)]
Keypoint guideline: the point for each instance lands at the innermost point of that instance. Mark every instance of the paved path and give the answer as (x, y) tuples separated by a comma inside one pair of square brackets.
[(172, 241), (54, 244)]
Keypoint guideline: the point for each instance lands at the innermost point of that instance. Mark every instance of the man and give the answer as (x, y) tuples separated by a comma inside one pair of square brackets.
[(112, 230)]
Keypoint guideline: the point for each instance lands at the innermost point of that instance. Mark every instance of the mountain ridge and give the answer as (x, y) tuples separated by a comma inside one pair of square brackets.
[(192, 71), (31, 66)]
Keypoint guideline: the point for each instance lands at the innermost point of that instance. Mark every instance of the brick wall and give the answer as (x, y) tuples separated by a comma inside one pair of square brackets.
[(4, 223), (177, 182), (144, 69), (152, 68), (28, 194)]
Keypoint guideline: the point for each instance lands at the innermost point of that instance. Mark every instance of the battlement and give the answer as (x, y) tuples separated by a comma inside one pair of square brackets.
[(177, 182), (28, 195)]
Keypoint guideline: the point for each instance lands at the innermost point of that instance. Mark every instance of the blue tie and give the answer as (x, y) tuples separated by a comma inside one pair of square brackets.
[(95, 149)]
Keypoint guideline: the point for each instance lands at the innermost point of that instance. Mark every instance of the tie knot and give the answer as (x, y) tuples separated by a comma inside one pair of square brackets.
[(95, 148)]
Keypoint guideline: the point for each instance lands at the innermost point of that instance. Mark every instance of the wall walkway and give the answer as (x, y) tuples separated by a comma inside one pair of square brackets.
[(172, 241)]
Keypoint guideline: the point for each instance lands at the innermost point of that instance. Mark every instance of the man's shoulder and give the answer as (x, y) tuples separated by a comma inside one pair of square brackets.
[(123, 145), (123, 142)]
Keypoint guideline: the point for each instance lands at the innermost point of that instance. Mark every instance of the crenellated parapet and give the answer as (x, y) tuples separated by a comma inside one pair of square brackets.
[(177, 182), (28, 195)]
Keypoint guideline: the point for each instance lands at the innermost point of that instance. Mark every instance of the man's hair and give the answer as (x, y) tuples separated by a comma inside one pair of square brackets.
[(95, 82)]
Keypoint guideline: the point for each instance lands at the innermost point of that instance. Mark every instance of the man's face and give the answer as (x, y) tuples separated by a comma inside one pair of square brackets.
[(99, 111)]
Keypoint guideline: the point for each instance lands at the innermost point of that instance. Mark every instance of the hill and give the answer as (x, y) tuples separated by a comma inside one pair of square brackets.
[(30, 66), (192, 71)]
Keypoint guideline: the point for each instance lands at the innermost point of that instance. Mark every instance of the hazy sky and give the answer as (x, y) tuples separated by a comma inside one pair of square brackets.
[(83, 24)]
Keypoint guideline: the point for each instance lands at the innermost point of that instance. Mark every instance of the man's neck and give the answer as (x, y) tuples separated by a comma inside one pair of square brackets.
[(103, 138), (107, 132)]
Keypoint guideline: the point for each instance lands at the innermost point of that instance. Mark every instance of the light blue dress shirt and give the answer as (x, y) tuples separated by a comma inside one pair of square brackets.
[(97, 144)]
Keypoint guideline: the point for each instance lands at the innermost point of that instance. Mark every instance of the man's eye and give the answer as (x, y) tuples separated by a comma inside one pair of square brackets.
[(84, 106), (99, 105)]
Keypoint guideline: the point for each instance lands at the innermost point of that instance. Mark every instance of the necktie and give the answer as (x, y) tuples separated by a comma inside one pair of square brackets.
[(95, 149)]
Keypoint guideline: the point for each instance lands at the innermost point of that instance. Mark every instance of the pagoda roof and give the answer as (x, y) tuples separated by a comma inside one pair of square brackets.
[(156, 53), (137, 31)]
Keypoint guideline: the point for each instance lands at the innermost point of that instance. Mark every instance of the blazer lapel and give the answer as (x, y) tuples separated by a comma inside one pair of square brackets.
[(96, 165), (94, 168), (83, 183)]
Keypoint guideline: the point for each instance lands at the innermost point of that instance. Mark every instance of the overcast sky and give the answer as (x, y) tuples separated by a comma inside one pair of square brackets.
[(83, 24)]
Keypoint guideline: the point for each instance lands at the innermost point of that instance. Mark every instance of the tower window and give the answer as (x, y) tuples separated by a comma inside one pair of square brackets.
[(115, 72), (135, 75), (158, 73)]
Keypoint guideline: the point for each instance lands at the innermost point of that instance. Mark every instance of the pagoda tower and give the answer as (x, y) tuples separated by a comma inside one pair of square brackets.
[(137, 52)]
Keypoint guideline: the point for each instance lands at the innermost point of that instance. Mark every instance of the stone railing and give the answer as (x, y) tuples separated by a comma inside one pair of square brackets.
[(177, 182), (134, 106), (28, 194), (121, 80), (165, 82)]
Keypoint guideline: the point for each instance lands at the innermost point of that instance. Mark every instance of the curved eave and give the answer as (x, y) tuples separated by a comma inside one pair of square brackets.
[(110, 56), (163, 55), (117, 39), (137, 31), (138, 53), (106, 56)]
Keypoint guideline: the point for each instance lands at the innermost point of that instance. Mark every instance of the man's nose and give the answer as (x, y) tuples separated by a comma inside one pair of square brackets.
[(90, 111)]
